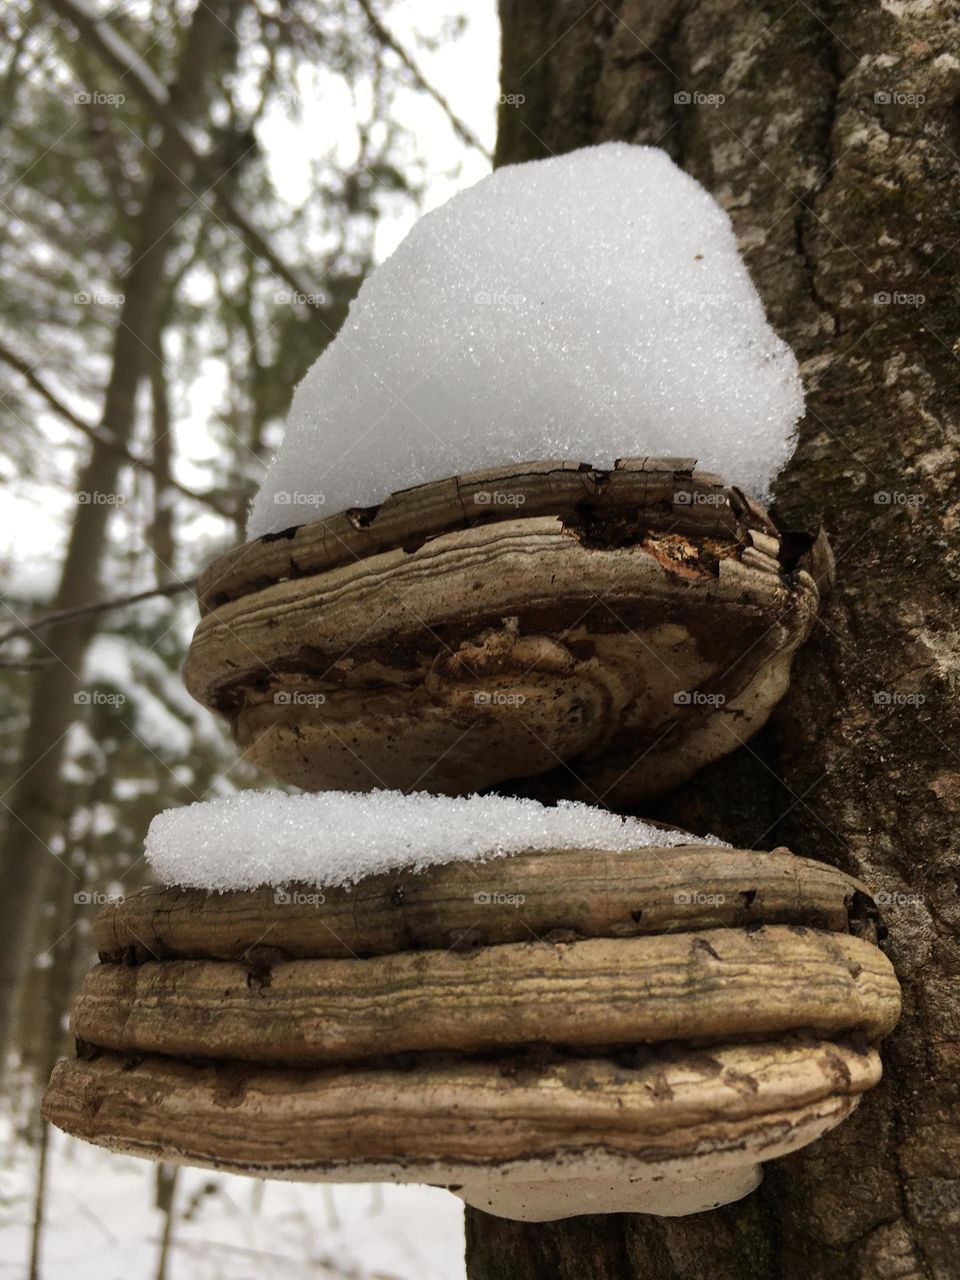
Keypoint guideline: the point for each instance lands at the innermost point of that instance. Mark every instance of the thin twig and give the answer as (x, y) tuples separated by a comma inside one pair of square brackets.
[(100, 436), (112, 47), (99, 606), (390, 41)]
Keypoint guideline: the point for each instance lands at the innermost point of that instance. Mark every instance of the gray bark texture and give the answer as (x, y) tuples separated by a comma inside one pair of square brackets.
[(844, 189)]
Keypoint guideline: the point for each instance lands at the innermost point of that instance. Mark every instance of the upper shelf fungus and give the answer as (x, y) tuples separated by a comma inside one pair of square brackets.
[(557, 1032), (592, 304), (616, 630)]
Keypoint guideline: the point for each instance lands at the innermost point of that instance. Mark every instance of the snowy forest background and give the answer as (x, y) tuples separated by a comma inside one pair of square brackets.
[(162, 289)]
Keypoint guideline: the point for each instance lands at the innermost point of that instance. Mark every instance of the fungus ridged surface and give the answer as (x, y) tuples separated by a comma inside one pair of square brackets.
[(547, 1034), (576, 633)]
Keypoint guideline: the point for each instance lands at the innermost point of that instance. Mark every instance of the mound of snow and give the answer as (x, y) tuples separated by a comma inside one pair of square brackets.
[(338, 837), (587, 307)]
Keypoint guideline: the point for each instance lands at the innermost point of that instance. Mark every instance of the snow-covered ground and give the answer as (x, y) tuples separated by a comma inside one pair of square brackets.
[(100, 1223)]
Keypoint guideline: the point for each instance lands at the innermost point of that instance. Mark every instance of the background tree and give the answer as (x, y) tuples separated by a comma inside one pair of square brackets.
[(161, 294), (835, 151), (190, 194)]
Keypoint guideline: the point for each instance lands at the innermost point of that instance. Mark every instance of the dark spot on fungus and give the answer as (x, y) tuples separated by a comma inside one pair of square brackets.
[(362, 517), (259, 977), (863, 916)]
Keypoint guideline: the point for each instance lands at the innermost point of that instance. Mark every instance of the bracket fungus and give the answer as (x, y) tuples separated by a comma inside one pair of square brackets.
[(546, 1034), (607, 1019), (564, 630)]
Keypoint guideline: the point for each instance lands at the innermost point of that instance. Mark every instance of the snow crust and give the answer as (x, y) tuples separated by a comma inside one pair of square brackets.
[(338, 837), (588, 307)]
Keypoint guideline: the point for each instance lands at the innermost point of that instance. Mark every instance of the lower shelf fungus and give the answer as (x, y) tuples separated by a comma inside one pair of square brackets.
[(547, 1034)]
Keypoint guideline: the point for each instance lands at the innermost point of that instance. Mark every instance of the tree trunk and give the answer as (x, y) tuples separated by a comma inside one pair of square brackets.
[(32, 805), (843, 190), (161, 532)]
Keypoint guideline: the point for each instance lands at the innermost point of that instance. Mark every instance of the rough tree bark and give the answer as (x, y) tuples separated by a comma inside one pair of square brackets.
[(843, 189)]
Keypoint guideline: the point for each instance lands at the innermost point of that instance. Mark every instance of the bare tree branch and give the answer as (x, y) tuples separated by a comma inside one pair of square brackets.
[(390, 41), (88, 610), (98, 435), (124, 59)]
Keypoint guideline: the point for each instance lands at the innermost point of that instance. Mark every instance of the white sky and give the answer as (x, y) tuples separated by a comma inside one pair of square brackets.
[(34, 514)]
